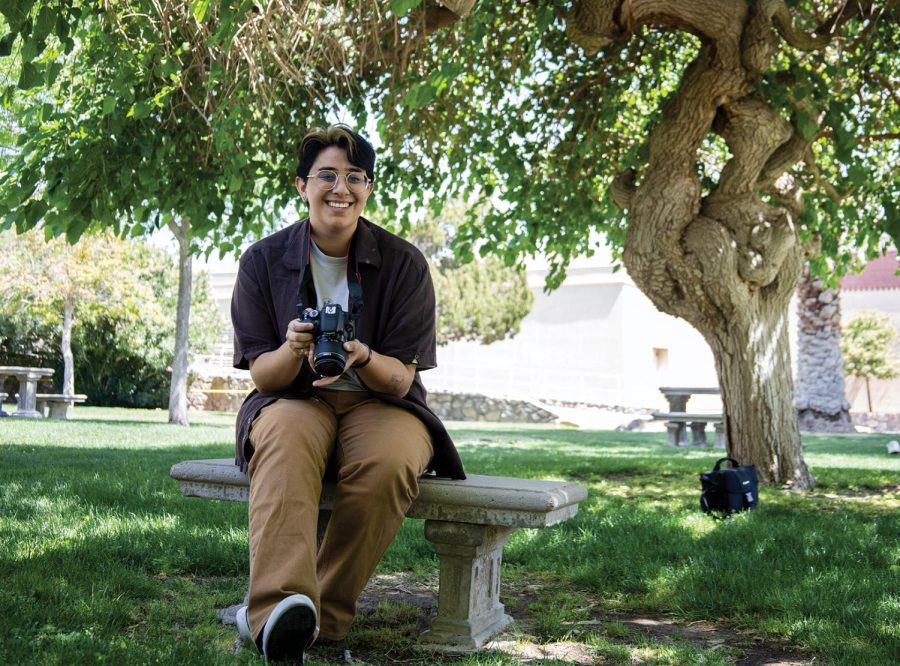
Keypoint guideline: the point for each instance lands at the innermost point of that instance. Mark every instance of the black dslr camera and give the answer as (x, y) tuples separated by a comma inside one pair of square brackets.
[(332, 327)]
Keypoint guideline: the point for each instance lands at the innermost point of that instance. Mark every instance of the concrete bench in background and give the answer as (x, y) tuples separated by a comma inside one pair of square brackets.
[(58, 403), (3, 396), (469, 523), (676, 433)]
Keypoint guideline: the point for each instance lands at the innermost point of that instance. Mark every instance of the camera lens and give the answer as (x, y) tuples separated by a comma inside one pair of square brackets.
[(330, 357), (329, 365)]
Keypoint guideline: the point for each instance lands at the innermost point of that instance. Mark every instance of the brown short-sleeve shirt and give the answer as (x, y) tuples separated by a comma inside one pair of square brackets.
[(398, 320)]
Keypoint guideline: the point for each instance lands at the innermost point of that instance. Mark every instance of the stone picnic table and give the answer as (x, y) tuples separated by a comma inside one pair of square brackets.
[(678, 396), (28, 379), (678, 418)]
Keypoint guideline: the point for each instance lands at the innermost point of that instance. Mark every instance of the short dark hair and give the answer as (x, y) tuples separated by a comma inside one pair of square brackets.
[(360, 152)]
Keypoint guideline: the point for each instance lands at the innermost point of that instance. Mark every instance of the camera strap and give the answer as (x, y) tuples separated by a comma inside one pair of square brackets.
[(354, 282)]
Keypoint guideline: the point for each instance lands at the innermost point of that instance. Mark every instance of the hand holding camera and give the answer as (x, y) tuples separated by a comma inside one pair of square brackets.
[(326, 337)]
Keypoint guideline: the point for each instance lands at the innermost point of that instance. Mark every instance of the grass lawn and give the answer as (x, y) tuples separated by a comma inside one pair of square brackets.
[(101, 559)]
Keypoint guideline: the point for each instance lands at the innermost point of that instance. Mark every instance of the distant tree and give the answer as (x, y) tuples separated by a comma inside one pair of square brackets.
[(54, 280), (102, 292), (820, 397), (136, 115), (866, 344), (483, 300)]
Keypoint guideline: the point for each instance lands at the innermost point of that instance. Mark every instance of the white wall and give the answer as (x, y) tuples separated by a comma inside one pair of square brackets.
[(592, 340)]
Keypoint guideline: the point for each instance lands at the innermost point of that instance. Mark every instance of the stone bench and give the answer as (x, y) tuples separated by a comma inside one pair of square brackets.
[(58, 403), (677, 433), (3, 397), (469, 523)]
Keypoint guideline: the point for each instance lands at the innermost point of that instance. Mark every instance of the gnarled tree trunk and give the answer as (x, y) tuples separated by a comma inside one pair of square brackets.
[(821, 398), (726, 261)]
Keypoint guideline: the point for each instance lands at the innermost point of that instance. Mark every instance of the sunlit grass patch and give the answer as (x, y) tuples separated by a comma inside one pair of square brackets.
[(101, 559)]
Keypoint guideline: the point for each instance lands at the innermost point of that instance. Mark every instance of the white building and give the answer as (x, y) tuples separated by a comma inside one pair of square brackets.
[(598, 340)]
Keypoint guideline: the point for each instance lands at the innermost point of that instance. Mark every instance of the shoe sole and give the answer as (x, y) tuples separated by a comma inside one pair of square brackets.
[(291, 635)]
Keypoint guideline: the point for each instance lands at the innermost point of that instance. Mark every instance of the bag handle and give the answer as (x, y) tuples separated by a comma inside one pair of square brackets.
[(734, 463)]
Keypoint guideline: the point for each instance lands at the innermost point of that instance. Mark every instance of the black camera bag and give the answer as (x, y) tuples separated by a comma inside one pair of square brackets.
[(729, 490)]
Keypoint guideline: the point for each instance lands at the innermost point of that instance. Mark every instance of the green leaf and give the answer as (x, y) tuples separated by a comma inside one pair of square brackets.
[(16, 13), (43, 25), (30, 76), (29, 49), (33, 213), (6, 43), (109, 105), (806, 124), (892, 219), (139, 110), (199, 8), (402, 7), (53, 71), (857, 175), (544, 18)]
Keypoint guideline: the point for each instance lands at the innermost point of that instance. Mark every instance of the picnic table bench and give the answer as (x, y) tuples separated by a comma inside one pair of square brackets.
[(58, 403), (469, 523), (28, 379), (678, 419)]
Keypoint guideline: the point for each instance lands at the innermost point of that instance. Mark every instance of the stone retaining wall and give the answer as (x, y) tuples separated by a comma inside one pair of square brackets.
[(877, 422), (219, 394), (225, 394), (477, 407)]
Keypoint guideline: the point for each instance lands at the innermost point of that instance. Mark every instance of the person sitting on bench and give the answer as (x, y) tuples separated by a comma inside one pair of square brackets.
[(334, 317)]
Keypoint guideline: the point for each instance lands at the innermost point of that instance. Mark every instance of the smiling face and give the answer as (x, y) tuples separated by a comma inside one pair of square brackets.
[(333, 214)]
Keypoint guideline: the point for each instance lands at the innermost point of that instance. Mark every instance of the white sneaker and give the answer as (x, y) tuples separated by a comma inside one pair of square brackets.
[(243, 626), (291, 629)]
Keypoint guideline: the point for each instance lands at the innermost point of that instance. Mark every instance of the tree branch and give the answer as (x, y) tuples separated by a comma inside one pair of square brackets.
[(784, 23), (849, 10), (871, 138), (622, 188), (810, 161)]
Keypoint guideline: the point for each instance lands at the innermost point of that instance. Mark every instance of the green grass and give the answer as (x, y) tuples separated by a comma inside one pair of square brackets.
[(102, 560)]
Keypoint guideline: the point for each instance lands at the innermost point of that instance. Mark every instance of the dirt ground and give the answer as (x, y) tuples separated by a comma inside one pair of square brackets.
[(518, 641)]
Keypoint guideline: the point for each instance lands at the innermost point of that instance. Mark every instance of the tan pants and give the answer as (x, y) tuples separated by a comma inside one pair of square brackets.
[(378, 452)]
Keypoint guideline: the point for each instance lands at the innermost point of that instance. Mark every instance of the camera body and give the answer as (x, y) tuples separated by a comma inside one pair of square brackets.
[(332, 327)]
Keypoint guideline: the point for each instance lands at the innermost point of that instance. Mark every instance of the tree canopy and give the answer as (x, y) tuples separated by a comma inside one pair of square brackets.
[(713, 143), (482, 300)]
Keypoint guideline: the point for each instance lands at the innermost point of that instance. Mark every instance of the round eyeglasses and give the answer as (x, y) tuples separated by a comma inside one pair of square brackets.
[(327, 179)]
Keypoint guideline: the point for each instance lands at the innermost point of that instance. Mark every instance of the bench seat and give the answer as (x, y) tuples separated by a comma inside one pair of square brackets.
[(469, 523), (677, 433), (58, 403)]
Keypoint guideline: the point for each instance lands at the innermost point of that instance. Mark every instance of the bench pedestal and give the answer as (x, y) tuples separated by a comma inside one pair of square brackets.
[(676, 434), (469, 611)]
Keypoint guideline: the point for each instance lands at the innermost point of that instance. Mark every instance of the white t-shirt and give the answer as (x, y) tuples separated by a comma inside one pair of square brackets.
[(329, 278), (330, 281)]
